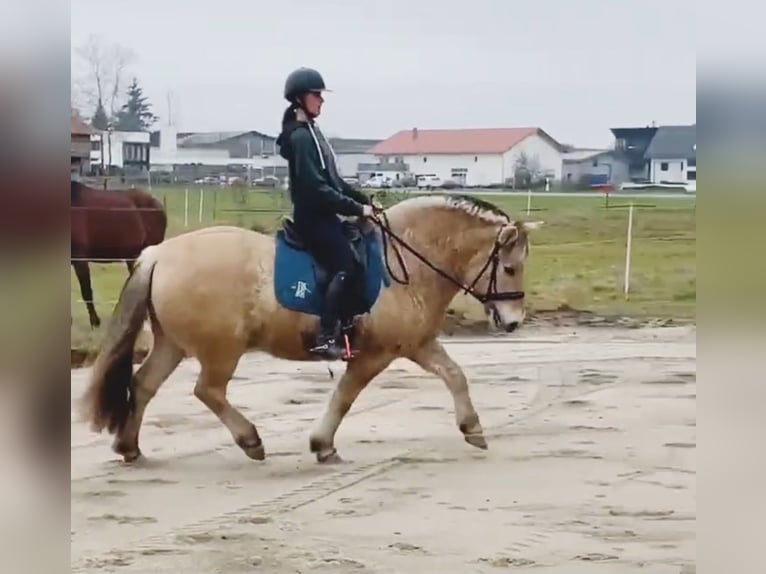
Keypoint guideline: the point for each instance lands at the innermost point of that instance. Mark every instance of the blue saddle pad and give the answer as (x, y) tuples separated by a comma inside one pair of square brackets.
[(299, 284)]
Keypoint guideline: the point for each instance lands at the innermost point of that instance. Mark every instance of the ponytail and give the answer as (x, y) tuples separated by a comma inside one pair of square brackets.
[(289, 115)]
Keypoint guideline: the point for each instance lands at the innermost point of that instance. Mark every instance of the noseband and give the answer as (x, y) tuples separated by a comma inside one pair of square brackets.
[(492, 262)]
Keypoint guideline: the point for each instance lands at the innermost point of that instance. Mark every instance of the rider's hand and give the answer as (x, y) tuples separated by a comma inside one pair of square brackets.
[(376, 205), (367, 210)]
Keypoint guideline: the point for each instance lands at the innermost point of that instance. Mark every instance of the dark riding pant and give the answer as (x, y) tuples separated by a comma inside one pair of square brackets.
[(326, 241)]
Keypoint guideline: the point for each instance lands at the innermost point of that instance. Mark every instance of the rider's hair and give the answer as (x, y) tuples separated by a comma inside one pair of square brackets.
[(289, 114)]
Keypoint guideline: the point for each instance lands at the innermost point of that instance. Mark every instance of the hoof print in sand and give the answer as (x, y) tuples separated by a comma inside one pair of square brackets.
[(595, 557), (507, 562)]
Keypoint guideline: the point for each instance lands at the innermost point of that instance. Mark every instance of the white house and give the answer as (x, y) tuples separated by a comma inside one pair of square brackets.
[(351, 153), (672, 155), (120, 149), (473, 157)]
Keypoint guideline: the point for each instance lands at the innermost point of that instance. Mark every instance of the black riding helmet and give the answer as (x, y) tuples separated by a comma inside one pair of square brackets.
[(301, 81)]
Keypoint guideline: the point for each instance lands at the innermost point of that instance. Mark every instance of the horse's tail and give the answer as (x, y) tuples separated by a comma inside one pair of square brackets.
[(109, 401)]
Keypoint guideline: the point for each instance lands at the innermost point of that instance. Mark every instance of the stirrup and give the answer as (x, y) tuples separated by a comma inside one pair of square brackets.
[(329, 349)]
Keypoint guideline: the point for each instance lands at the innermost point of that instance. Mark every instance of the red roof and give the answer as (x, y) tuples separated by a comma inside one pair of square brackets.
[(468, 141), (79, 127)]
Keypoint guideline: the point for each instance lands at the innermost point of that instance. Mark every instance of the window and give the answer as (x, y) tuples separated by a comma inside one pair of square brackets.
[(664, 166), (595, 162), (475, 158), (691, 162), (691, 175), (425, 159)]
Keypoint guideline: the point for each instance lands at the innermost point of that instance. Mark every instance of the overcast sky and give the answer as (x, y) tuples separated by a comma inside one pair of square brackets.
[(574, 68)]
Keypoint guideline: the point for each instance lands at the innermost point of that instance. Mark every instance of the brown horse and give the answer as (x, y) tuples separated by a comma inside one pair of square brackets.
[(210, 294), (111, 226)]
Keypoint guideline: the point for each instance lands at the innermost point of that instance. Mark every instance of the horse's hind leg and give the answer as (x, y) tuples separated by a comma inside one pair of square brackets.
[(161, 362), (433, 358), (211, 390), (358, 373), (86, 290)]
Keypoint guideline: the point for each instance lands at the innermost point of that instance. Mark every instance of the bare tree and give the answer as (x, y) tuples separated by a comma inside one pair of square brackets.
[(526, 170), (105, 70)]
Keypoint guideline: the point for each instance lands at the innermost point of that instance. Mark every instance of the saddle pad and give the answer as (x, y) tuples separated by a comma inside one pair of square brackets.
[(298, 282)]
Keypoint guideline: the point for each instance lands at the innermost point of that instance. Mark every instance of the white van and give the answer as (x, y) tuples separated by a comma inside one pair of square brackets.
[(429, 181)]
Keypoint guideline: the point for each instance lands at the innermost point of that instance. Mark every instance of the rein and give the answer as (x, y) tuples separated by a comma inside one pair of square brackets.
[(492, 262)]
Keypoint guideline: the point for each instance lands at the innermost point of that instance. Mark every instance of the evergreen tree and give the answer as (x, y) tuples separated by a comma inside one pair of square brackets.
[(100, 121), (136, 114)]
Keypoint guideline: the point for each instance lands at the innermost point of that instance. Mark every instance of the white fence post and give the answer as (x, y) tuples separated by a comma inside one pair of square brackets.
[(628, 250), (201, 202), (529, 201), (186, 207)]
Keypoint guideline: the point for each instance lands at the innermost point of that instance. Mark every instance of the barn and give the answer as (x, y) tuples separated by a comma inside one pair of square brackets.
[(473, 157)]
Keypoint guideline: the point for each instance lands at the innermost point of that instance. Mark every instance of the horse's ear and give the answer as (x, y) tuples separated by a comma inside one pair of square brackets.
[(532, 225), (508, 234)]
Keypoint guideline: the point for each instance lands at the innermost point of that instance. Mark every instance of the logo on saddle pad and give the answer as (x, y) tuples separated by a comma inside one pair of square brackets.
[(301, 290)]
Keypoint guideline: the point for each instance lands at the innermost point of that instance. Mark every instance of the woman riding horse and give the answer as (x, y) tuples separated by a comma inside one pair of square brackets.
[(319, 195)]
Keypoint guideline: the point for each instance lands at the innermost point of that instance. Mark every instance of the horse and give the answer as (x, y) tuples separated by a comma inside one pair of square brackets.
[(111, 226), (216, 293)]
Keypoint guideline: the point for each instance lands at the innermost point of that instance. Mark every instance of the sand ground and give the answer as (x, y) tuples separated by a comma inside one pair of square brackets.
[(591, 468)]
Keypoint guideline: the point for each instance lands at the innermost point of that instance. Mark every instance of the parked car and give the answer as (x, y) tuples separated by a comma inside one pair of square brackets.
[(267, 181), (378, 182)]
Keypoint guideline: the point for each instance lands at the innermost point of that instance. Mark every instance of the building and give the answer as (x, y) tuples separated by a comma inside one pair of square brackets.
[(631, 144), (114, 151), (353, 153), (589, 167), (474, 157), (239, 144), (189, 156), (672, 155), (80, 133)]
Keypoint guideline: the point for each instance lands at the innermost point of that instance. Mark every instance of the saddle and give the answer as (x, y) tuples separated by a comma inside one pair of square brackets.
[(351, 231)]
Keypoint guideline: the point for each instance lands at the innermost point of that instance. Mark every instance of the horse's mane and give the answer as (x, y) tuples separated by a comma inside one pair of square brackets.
[(476, 205), (472, 205)]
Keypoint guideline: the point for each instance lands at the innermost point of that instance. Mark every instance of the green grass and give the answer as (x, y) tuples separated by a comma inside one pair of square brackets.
[(577, 259)]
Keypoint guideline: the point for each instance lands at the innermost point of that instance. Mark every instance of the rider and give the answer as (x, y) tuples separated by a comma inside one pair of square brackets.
[(319, 195)]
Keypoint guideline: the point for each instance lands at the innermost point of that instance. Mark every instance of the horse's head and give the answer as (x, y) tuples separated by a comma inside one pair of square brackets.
[(474, 245), (499, 274)]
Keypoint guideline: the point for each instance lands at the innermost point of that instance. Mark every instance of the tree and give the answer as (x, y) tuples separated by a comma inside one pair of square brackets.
[(100, 87), (136, 114), (526, 170), (100, 121)]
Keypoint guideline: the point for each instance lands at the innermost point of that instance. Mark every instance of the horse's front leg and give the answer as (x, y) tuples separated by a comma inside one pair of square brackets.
[(433, 358), (359, 372)]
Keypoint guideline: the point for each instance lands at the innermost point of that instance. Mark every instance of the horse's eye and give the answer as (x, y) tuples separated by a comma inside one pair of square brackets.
[(510, 271)]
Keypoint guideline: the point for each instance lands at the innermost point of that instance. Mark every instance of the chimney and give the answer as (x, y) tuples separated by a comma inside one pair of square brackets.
[(414, 133)]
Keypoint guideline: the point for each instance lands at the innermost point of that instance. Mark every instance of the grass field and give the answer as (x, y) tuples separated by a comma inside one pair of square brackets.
[(577, 259)]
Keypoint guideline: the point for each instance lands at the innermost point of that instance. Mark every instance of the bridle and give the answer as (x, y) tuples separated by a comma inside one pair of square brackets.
[(492, 263)]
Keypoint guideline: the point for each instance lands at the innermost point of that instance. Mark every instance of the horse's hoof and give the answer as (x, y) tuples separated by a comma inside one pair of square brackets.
[(331, 457), (129, 454), (255, 452), (477, 440)]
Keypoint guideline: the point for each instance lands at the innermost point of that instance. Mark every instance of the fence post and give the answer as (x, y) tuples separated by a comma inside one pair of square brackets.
[(529, 201), (186, 207), (201, 202), (628, 249)]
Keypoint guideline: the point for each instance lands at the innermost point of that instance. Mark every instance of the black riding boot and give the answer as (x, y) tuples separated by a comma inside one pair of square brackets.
[(328, 344)]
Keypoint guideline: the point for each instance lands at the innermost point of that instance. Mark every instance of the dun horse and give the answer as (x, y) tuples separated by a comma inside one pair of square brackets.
[(110, 226), (216, 293)]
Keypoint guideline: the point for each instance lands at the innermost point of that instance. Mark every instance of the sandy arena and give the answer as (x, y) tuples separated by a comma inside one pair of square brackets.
[(591, 467)]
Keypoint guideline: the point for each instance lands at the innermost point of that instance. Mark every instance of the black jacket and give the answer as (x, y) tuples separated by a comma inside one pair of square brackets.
[(316, 188)]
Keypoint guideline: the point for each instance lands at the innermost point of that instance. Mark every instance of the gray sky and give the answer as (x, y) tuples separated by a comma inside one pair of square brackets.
[(574, 68)]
